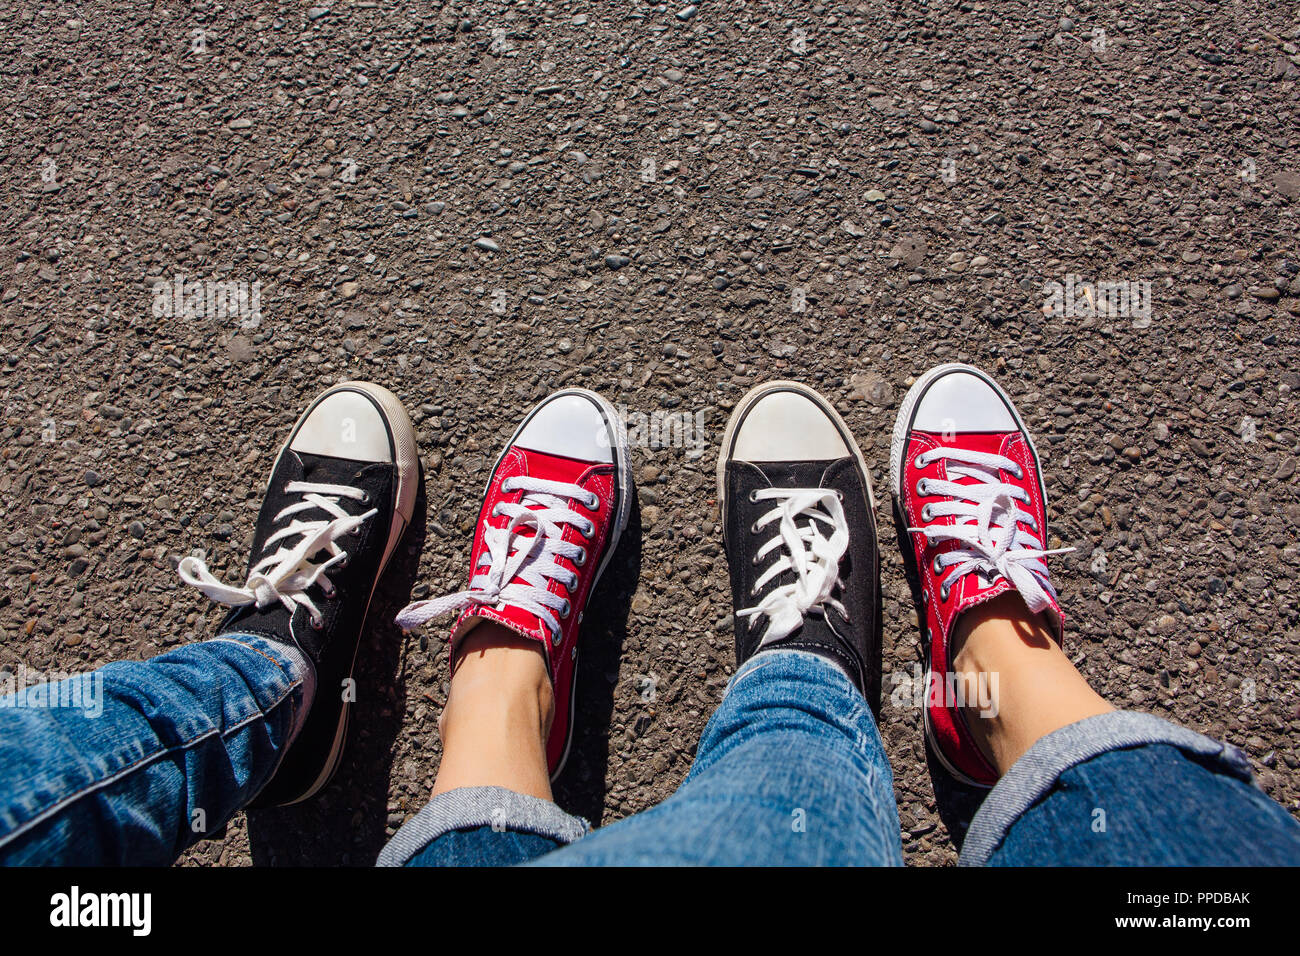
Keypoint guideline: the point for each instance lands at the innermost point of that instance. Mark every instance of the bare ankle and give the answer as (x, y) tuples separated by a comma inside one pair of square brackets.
[(495, 667), (1005, 619), (498, 715), (1020, 684)]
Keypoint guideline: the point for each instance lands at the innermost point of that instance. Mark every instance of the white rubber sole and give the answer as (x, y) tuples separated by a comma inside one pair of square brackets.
[(623, 511), (408, 478)]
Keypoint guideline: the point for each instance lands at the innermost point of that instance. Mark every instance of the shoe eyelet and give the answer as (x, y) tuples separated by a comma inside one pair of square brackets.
[(920, 461), (564, 615), (753, 528), (331, 594), (365, 498), (921, 487), (753, 592), (753, 496), (938, 569), (1019, 472), (838, 494), (589, 532), (581, 559), (347, 559), (943, 592), (927, 514), (317, 623), (594, 502)]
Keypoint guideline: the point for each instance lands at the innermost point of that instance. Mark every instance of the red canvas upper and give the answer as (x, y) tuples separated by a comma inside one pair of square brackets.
[(947, 725), (561, 654)]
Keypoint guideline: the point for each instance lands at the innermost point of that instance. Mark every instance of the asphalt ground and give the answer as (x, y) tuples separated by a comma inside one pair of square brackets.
[(476, 204)]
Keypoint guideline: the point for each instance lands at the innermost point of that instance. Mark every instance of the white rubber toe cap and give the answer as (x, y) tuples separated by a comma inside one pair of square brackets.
[(788, 426), (569, 425), (345, 424), (961, 402)]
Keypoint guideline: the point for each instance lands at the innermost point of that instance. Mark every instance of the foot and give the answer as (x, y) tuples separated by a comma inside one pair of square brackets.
[(556, 503), (338, 500), (798, 519), (968, 490)]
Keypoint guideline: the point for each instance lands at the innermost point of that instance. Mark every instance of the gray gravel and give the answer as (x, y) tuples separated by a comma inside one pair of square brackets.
[(479, 203)]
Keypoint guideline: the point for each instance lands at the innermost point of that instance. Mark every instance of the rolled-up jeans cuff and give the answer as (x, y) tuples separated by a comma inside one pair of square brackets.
[(1034, 775), (469, 807)]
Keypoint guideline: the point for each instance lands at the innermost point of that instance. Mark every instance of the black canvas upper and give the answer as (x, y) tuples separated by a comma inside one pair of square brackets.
[(332, 648), (855, 643)]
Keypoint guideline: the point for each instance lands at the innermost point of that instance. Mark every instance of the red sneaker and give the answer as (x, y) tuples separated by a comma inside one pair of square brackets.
[(557, 501), (968, 489)]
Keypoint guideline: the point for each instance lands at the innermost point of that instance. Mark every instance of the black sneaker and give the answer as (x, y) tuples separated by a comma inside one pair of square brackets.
[(339, 498), (799, 527)]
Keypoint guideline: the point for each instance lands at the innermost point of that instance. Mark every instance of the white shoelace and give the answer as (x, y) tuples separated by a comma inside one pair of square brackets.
[(286, 575), (531, 558), (814, 557), (991, 541)]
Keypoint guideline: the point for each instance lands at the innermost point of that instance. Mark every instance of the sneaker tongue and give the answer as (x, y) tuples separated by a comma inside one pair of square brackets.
[(323, 469), (298, 466), (794, 474), (555, 467), (987, 442), (990, 442), (551, 468)]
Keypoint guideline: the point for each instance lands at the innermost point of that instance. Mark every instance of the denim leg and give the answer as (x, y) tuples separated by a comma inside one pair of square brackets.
[(790, 771), (1129, 789), (483, 846), (132, 763), (481, 826)]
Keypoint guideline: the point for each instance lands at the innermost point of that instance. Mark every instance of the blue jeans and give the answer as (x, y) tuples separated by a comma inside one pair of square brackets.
[(152, 756), (135, 762), (791, 771)]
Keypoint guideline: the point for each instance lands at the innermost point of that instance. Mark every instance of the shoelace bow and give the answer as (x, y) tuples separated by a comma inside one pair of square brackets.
[(990, 538), (288, 573), (814, 557), (521, 556)]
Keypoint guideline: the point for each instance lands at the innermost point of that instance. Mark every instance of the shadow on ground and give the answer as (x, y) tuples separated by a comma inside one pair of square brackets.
[(345, 823), (580, 788), (955, 802)]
